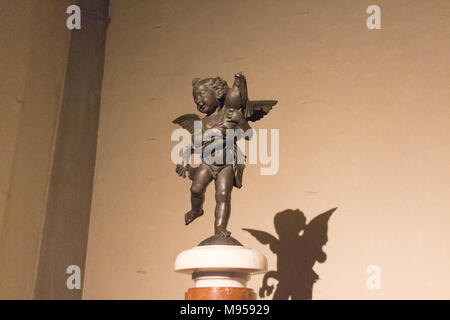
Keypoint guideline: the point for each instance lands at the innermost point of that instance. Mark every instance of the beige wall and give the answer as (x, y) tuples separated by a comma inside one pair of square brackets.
[(15, 23), (34, 41), (363, 118)]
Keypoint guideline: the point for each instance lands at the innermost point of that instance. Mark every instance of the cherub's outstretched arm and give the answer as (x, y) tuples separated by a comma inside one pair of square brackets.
[(186, 121), (184, 167)]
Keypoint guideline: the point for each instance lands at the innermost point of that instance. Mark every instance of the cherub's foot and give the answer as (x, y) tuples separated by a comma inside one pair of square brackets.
[(191, 216), (222, 232)]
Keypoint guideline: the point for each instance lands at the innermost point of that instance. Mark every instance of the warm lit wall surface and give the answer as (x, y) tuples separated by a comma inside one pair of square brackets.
[(15, 21), (364, 126), (33, 47)]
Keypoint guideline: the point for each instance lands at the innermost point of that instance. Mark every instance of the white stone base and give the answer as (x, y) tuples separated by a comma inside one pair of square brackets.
[(220, 265)]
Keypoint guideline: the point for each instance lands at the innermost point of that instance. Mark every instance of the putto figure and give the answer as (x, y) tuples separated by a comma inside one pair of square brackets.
[(226, 109)]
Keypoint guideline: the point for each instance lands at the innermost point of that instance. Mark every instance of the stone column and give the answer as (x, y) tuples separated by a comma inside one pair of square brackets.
[(38, 101), (66, 225)]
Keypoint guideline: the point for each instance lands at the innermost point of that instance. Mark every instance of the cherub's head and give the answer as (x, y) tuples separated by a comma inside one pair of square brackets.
[(209, 93), (289, 222)]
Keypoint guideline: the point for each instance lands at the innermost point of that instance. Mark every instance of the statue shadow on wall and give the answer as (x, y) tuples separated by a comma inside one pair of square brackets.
[(298, 247)]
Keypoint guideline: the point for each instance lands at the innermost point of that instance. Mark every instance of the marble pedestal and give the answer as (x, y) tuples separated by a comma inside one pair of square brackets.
[(220, 272)]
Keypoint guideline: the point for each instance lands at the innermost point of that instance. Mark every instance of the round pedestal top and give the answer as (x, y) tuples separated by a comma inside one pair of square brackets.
[(220, 257)]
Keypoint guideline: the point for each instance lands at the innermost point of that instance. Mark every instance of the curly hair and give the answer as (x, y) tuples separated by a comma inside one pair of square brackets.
[(217, 84)]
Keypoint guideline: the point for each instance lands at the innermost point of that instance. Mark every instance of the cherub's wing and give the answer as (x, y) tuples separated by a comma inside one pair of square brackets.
[(263, 237), (186, 121), (256, 110), (316, 231)]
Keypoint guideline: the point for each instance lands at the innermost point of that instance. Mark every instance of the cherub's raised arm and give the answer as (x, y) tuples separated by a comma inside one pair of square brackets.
[(237, 117), (247, 129), (245, 126)]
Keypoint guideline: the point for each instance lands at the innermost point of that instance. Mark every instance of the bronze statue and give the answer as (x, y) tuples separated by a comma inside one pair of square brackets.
[(225, 109)]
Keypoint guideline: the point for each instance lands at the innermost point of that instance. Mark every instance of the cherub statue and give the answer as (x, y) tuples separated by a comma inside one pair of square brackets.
[(298, 247), (224, 108)]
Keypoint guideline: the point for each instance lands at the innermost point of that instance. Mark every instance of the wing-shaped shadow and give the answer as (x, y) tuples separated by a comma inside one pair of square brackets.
[(298, 247)]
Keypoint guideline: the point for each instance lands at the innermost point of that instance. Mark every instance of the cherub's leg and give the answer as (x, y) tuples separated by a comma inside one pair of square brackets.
[(224, 186), (199, 183)]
